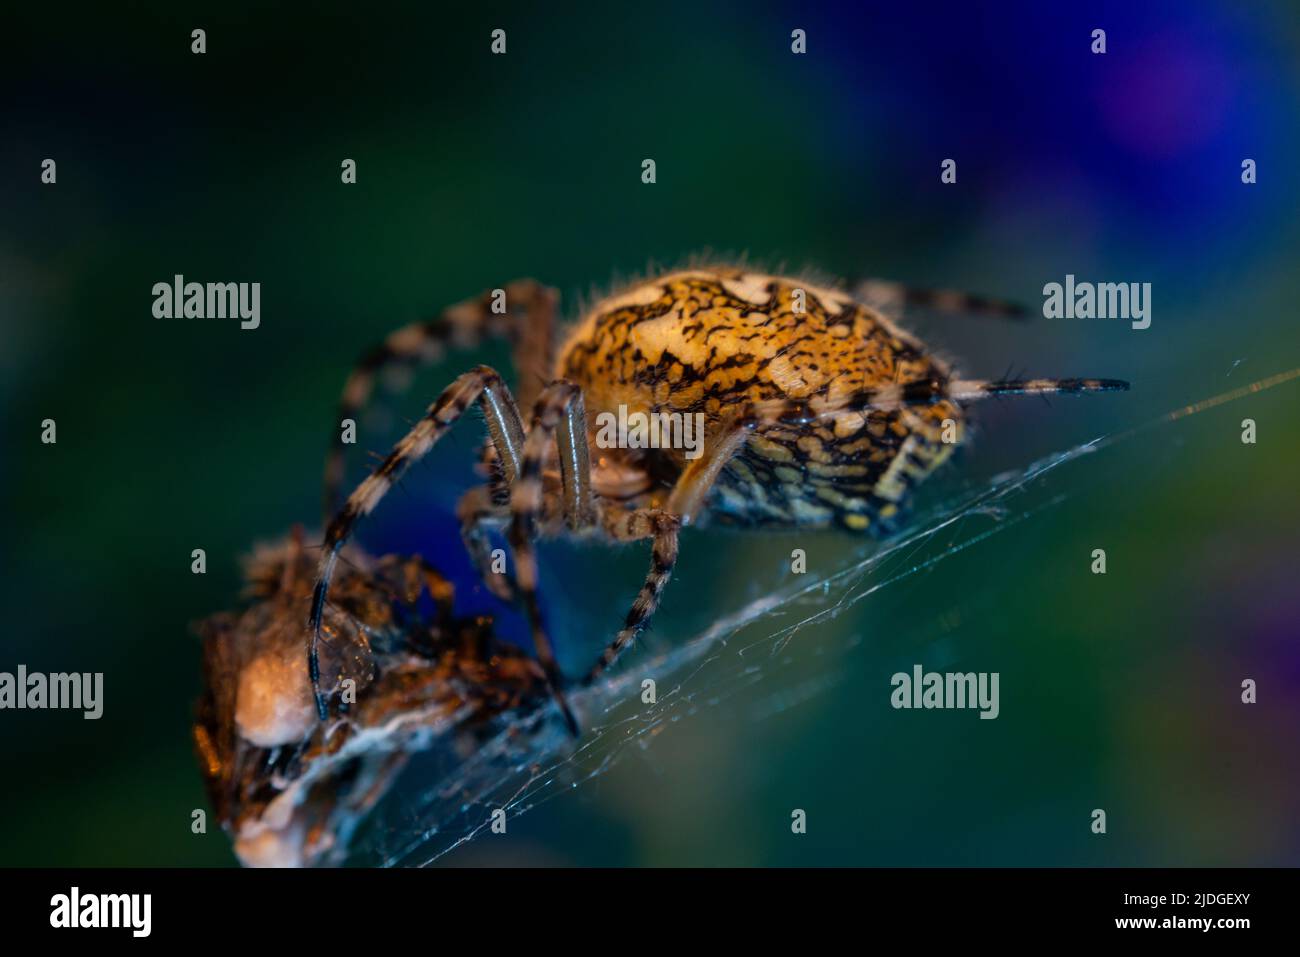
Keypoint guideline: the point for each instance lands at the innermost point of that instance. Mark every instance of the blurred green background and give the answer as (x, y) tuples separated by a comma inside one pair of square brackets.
[(1119, 692)]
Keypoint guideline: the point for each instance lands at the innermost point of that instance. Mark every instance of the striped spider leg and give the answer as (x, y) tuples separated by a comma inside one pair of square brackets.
[(898, 300), (523, 313)]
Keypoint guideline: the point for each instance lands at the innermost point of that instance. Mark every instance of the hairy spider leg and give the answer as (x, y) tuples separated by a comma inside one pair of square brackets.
[(560, 416), (923, 392), (528, 324), (895, 299), (972, 390), (476, 511), (482, 385), (661, 527), (685, 501), (523, 463)]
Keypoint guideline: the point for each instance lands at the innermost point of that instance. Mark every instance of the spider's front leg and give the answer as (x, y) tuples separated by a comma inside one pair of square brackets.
[(559, 414), (561, 407), (482, 385), (477, 513), (528, 324)]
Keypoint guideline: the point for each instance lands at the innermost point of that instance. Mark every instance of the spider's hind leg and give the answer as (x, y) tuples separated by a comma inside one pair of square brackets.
[(897, 300), (973, 390)]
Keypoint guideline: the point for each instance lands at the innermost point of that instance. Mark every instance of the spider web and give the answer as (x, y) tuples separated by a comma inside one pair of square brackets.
[(448, 799)]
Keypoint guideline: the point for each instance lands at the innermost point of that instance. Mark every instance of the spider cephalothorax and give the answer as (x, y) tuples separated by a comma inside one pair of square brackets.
[(815, 409)]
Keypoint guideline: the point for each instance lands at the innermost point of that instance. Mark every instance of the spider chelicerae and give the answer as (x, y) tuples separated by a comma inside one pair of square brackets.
[(818, 409)]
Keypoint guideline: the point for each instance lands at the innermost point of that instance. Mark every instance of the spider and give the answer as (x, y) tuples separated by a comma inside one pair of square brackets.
[(819, 410), (289, 789)]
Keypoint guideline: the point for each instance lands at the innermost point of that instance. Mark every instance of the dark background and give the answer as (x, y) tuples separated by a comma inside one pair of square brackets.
[(1119, 692)]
